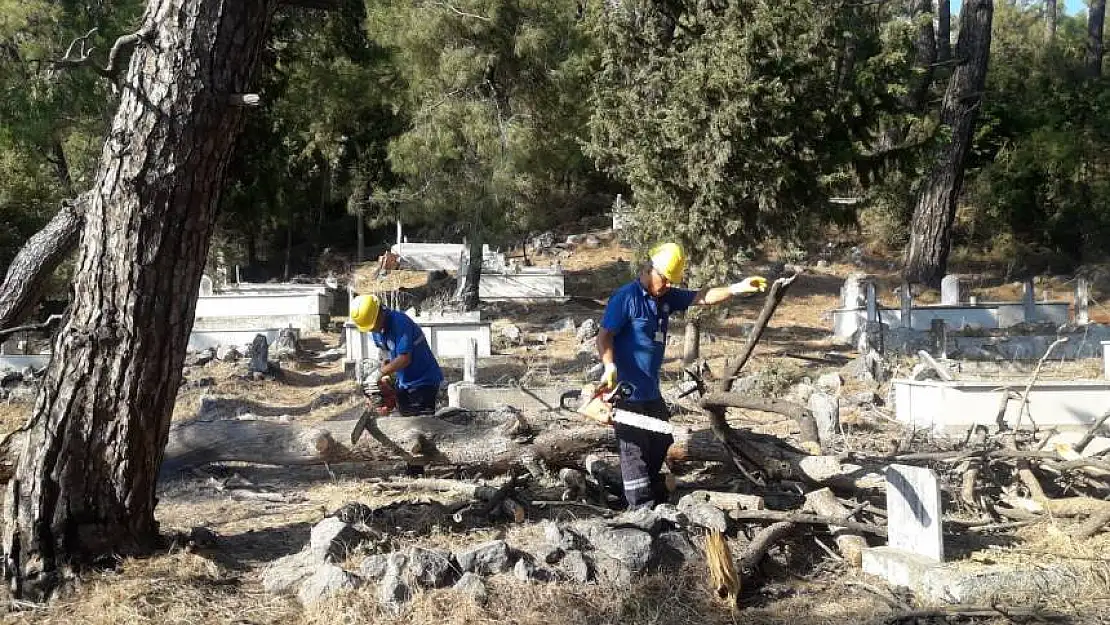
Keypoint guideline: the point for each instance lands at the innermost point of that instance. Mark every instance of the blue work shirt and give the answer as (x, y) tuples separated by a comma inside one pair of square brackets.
[(401, 335), (639, 323)]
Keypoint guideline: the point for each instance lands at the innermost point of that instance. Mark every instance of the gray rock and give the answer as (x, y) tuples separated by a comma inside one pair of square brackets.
[(28, 374), (23, 393), (576, 566), (226, 353), (486, 558), (471, 585), (286, 345), (374, 567), (332, 539), (431, 568), (392, 589), (830, 382), (703, 514), (327, 580), (800, 393), (644, 519), (862, 398), (527, 571), (674, 549), (826, 411), (284, 574), (549, 554), (587, 330), (563, 537), (611, 570), (512, 334), (260, 355), (630, 546), (201, 358), (566, 325), (669, 513)]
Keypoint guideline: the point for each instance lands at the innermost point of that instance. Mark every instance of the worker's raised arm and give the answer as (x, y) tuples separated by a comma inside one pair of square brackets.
[(716, 295)]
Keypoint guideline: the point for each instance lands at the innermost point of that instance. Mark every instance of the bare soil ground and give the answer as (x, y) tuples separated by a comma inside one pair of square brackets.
[(222, 585)]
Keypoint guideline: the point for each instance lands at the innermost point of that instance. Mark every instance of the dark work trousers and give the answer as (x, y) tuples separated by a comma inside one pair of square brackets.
[(642, 455), (418, 400), (413, 402)]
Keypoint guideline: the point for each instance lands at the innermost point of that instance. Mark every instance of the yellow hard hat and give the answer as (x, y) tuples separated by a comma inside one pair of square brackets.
[(364, 312), (670, 261)]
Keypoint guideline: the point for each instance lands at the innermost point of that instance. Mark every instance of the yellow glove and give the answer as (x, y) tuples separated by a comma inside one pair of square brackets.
[(609, 376), (753, 284)]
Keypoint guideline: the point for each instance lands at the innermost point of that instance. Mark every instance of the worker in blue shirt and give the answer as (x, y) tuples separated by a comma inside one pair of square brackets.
[(411, 368), (631, 343)]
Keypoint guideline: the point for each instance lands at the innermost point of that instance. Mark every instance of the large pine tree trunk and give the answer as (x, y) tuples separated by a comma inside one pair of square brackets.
[(925, 54), (1096, 16), (931, 228), (88, 460)]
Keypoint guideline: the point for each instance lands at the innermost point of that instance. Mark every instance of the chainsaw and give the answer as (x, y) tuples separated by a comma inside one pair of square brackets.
[(596, 403)]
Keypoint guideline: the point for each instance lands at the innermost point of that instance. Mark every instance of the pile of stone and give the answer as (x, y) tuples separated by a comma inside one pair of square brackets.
[(613, 551), (20, 386)]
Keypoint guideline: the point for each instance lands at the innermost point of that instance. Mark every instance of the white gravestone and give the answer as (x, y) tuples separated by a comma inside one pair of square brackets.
[(914, 521)]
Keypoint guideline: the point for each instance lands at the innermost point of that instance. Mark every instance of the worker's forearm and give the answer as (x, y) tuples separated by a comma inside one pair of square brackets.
[(395, 365), (605, 346), (711, 296)]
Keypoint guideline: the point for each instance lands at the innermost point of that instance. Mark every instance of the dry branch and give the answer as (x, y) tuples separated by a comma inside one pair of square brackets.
[(800, 518)]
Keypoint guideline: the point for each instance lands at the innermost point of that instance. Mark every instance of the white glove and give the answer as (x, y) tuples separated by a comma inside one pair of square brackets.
[(609, 376), (753, 284)]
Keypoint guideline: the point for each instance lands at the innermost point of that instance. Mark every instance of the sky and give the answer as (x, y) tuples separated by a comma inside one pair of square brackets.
[(1073, 6)]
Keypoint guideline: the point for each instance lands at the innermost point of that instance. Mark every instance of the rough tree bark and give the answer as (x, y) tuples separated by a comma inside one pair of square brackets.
[(931, 228), (1050, 20), (944, 31), (925, 54), (88, 460), (39, 256), (1096, 16)]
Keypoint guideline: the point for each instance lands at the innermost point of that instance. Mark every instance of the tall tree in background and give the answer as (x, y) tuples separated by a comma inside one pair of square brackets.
[(88, 460), (931, 228), (944, 30), (494, 117), (732, 122), (1050, 20), (1096, 17)]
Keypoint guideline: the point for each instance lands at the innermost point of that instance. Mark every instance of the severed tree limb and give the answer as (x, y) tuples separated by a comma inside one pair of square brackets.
[(762, 543), (799, 413), (1093, 525), (39, 256), (745, 454), (775, 516)]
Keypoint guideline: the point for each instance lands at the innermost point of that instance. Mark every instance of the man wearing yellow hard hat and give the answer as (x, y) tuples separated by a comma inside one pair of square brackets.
[(631, 342), (412, 366)]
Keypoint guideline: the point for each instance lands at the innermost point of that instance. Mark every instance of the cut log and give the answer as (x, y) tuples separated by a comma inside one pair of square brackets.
[(762, 543), (851, 544), (1093, 525), (481, 446)]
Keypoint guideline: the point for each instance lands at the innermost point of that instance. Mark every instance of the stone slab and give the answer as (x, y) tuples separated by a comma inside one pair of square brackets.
[(914, 515), (977, 583), (484, 398)]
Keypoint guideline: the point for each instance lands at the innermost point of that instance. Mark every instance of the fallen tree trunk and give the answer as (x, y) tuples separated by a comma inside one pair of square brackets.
[(481, 444)]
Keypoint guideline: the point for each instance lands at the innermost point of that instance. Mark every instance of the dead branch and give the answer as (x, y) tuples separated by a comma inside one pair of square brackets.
[(799, 413), (83, 55), (972, 611), (1093, 525), (800, 518), (1092, 432), (33, 327), (851, 544), (1023, 407), (762, 543)]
